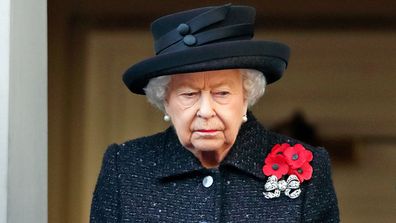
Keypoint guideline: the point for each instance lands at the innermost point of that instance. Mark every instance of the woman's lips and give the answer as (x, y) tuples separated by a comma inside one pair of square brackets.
[(207, 130)]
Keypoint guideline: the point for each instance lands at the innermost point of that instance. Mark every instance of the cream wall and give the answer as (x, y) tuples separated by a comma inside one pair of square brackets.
[(23, 111), (343, 81), (366, 187), (4, 103)]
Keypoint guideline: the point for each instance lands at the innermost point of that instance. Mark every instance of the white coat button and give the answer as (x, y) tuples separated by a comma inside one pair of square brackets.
[(207, 181)]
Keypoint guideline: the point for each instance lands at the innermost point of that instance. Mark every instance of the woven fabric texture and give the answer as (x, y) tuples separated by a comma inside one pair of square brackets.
[(154, 179)]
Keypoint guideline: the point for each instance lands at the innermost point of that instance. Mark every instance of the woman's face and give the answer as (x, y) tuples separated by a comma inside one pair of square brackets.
[(206, 109)]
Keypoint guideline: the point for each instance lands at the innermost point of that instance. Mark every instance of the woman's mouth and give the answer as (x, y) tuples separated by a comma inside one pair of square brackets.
[(207, 130)]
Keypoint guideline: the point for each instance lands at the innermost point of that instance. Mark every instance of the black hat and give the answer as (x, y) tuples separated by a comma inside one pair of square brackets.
[(210, 38)]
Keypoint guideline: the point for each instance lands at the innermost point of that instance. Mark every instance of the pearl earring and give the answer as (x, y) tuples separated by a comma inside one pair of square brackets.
[(244, 118), (166, 118)]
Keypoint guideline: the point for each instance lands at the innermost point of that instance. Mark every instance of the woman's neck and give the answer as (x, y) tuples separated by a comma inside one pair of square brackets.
[(211, 159)]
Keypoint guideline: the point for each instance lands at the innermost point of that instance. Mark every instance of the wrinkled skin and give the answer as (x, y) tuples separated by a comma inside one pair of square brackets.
[(206, 109)]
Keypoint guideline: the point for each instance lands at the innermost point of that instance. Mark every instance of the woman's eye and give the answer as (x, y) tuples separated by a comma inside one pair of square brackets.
[(189, 94), (222, 93)]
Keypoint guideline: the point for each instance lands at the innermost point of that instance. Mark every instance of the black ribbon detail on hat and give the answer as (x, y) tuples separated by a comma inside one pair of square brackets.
[(186, 34)]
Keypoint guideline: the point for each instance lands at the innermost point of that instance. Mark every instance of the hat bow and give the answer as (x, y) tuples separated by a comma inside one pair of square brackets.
[(188, 34)]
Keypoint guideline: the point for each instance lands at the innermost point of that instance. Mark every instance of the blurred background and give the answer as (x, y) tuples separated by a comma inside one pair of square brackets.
[(338, 92)]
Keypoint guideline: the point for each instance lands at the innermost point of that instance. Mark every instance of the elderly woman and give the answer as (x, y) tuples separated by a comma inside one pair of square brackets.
[(215, 163)]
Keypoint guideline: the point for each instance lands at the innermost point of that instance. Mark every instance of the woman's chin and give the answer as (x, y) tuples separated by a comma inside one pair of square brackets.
[(208, 146)]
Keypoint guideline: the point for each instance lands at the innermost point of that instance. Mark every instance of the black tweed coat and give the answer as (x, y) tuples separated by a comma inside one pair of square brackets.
[(154, 179)]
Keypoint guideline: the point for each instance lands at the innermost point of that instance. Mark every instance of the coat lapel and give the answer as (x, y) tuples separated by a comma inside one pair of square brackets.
[(250, 149), (174, 159)]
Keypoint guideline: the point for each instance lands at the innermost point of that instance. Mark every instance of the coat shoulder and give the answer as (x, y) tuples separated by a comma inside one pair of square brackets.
[(142, 145), (320, 153), (145, 141)]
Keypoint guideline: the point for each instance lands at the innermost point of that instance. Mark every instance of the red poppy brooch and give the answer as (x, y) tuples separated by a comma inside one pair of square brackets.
[(286, 167)]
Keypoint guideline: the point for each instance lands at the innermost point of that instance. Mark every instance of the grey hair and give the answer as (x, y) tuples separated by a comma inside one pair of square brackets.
[(254, 84), (156, 91)]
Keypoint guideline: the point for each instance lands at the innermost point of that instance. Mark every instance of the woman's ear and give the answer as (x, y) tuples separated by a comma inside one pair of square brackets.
[(245, 108), (166, 105), (245, 105), (165, 102)]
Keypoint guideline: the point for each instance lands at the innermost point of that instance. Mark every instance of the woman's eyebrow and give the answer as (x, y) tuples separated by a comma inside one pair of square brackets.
[(187, 84), (186, 88), (224, 83)]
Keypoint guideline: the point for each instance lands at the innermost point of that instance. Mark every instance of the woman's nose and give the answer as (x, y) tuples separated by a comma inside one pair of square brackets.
[(206, 106)]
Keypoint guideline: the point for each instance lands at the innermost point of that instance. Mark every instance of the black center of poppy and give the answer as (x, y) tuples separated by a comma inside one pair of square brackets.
[(295, 156), (275, 166), (299, 170)]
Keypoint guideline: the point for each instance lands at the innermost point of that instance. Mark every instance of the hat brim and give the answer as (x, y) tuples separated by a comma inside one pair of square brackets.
[(270, 58)]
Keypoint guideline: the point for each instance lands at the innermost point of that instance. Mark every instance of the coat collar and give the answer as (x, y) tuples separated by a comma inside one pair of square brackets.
[(247, 154)]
